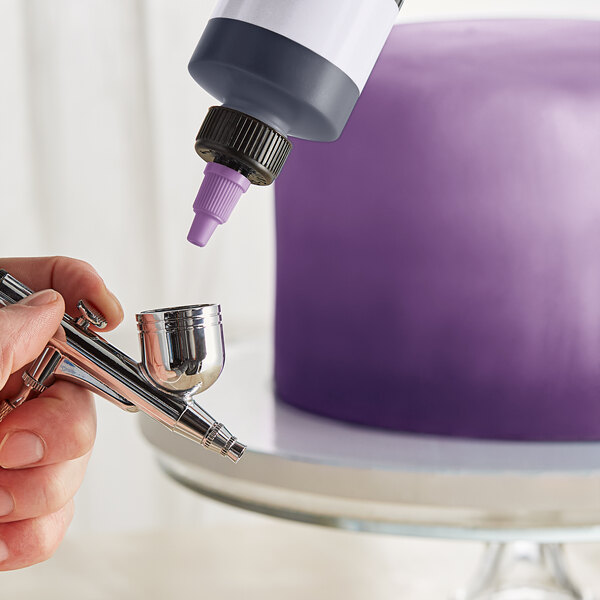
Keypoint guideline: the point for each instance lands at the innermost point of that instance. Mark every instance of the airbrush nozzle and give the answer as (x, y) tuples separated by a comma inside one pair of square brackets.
[(193, 424)]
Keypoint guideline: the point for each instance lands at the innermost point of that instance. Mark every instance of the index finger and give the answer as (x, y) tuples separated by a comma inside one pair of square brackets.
[(75, 280)]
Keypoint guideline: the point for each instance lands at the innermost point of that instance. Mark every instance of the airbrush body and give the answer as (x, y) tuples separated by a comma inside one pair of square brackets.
[(182, 355)]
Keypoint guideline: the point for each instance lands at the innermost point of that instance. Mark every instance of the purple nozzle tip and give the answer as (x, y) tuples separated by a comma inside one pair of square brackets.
[(220, 191)]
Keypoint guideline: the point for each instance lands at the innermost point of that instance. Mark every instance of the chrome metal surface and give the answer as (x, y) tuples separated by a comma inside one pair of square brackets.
[(183, 347), (30, 382), (90, 317), (21, 397), (40, 374), (163, 389), (5, 410), (216, 437), (37, 378)]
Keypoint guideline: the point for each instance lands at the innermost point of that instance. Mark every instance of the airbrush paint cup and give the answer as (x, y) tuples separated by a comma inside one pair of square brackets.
[(182, 348)]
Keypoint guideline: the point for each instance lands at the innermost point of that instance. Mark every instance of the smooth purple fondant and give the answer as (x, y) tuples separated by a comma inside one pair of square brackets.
[(438, 267)]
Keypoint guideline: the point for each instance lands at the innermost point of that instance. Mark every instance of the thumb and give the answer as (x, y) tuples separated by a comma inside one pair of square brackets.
[(26, 328)]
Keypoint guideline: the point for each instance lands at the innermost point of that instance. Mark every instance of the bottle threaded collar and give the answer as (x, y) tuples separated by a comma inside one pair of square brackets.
[(242, 143)]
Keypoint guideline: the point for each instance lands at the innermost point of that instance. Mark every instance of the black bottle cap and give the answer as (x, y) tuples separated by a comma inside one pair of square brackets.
[(242, 143)]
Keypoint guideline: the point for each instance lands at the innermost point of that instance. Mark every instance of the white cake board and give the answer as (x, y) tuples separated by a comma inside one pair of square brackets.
[(308, 468)]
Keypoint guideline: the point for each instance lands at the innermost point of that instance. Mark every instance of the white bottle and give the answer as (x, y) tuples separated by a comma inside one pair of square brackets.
[(279, 68)]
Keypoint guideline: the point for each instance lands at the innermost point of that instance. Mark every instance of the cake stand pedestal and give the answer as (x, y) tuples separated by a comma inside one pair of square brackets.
[(522, 571), (522, 499)]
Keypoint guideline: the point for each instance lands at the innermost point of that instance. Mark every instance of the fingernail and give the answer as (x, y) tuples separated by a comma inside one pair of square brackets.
[(7, 504), (21, 449), (40, 298), (3, 551)]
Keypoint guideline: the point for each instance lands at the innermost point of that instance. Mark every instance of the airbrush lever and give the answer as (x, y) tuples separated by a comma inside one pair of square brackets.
[(182, 355)]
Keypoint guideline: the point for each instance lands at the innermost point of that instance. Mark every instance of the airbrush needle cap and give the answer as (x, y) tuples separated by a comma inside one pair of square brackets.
[(220, 191)]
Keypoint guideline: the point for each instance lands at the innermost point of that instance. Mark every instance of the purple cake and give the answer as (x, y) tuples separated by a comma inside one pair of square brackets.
[(438, 267)]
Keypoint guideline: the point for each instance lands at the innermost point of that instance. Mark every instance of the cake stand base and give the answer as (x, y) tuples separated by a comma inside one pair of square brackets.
[(522, 571), (307, 468)]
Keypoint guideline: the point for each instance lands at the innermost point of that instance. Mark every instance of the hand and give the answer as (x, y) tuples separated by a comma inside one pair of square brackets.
[(46, 443)]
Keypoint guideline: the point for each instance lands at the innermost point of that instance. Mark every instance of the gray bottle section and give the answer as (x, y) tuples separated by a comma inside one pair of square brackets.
[(274, 79)]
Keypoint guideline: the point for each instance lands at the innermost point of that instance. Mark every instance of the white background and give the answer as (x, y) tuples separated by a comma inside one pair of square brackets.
[(97, 118)]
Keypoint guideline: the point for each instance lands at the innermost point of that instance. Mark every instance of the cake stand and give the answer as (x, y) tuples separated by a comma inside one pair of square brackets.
[(522, 499)]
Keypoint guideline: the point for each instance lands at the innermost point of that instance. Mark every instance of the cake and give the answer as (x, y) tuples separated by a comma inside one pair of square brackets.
[(438, 266)]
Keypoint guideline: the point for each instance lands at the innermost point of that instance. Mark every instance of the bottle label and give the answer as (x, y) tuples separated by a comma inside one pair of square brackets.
[(348, 33)]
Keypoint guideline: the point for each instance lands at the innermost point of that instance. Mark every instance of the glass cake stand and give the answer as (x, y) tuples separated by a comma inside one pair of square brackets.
[(524, 500)]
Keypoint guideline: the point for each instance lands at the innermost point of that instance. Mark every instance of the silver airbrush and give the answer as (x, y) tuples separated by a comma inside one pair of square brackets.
[(182, 355)]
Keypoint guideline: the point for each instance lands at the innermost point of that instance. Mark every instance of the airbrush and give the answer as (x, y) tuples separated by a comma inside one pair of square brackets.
[(182, 355), (280, 69)]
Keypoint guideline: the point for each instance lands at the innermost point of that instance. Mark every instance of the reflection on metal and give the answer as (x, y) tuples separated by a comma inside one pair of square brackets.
[(182, 355)]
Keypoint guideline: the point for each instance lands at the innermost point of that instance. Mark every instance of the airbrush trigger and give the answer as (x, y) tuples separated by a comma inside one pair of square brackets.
[(90, 317)]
